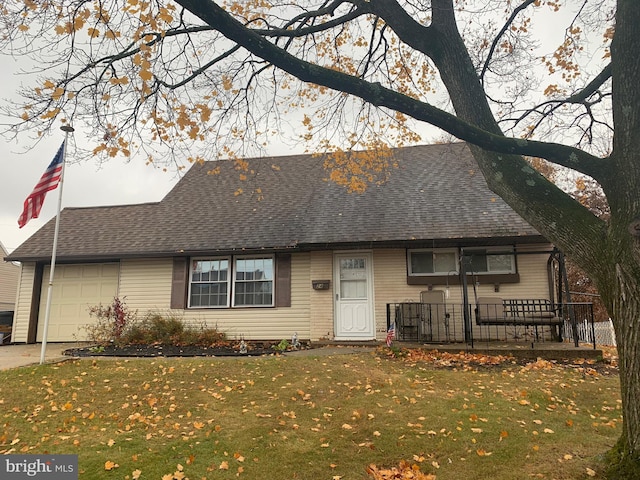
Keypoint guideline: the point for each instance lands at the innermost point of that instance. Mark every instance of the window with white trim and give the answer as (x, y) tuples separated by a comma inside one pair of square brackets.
[(490, 260), (253, 282), (438, 261), (249, 281), (209, 283)]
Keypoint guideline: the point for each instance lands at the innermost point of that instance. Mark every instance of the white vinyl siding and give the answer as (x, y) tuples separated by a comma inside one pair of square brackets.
[(23, 304), (322, 303), (145, 287), (9, 275)]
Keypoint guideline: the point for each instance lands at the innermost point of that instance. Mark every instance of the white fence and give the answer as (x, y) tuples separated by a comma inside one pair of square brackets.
[(604, 334)]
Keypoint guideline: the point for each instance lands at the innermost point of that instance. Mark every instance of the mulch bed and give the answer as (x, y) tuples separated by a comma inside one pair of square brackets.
[(169, 351)]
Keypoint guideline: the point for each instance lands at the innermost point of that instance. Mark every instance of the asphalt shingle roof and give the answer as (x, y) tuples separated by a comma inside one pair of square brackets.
[(436, 194)]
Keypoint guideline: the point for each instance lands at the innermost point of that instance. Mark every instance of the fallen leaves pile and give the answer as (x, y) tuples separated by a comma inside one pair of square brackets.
[(404, 471), (461, 360), (471, 361)]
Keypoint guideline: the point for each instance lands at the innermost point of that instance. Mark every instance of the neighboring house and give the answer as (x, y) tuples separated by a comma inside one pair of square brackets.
[(9, 275), (291, 253)]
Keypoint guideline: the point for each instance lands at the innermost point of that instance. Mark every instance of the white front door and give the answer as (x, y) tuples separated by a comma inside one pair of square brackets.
[(354, 297)]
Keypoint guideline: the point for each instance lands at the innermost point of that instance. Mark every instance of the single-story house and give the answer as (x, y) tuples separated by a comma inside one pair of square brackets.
[(9, 274), (278, 249)]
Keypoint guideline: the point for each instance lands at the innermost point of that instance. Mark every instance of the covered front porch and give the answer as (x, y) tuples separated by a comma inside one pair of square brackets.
[(495, 318), (494, 323)]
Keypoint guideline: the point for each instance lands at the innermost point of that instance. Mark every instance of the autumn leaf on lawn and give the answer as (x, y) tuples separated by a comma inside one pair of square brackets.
[(136, 474), (177, 475), (482, 452), (109, 465), (404, 470)]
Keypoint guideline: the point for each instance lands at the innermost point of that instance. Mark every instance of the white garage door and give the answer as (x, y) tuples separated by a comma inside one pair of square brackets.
[(75, 289)]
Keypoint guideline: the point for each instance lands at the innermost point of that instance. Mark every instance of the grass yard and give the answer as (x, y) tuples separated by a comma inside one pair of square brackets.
[(312, 417)]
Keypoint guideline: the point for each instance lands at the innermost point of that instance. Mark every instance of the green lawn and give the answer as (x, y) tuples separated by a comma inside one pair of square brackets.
[(311, 417)]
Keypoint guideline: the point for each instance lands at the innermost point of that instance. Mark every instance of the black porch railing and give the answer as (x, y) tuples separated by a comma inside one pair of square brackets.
[(495, 320)]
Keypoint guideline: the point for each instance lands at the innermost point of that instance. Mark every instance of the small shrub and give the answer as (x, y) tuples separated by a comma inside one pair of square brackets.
[(203, 336), (111, 322), (170, 330), (115, 324), (397, 352), (283, 346), (155, 328)]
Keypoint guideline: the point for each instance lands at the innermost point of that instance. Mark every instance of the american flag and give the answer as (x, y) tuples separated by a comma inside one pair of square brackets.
[(49, 181), (391, 333)]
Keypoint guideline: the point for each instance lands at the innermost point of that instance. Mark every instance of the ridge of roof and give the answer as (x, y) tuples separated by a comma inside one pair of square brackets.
[(114, 206), (436, 193)]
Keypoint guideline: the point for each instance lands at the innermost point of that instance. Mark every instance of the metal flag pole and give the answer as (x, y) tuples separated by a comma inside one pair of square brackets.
[(67, 129)]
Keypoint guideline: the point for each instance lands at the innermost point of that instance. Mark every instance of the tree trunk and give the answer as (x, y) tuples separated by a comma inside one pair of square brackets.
[(622, 187), (626, 311)]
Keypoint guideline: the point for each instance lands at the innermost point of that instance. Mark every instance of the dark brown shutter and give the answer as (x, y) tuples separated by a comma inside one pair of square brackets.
[(283, 280), (179, 282), (34, 312)]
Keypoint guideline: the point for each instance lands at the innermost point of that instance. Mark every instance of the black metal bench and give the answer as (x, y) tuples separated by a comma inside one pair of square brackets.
[(527, 312)]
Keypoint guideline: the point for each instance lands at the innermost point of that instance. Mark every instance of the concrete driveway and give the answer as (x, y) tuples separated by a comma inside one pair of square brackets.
[(22, 355)]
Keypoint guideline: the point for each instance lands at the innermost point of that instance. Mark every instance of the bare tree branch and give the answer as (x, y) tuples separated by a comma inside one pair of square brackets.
[(502, 31), (381, 96)]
